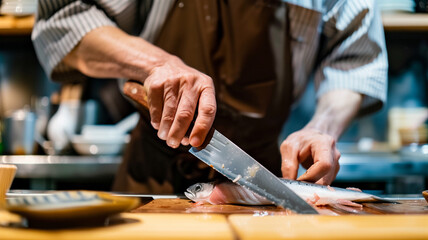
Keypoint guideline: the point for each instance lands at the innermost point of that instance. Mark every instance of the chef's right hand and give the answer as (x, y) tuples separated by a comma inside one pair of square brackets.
[(174, 90)]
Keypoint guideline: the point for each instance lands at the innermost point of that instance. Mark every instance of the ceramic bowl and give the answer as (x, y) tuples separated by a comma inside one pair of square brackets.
[(99, 145)]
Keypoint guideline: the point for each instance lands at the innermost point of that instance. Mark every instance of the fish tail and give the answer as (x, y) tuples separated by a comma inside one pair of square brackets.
[(384, 200)]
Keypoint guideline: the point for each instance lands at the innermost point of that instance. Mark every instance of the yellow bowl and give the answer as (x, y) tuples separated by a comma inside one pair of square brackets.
[(7, 173), (414, 135), (425, 194)]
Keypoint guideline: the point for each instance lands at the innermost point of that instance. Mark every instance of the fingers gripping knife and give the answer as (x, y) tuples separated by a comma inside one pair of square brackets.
[(231, 161)]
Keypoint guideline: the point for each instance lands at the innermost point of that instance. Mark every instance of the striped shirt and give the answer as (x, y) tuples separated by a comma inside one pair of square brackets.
[(343, 47)]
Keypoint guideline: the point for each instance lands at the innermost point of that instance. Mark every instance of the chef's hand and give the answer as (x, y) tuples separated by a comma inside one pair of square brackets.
[(315, 145), (174, 89), (316, 151)]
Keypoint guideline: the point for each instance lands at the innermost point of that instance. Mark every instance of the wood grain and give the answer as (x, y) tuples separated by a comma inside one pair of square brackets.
[(186, 206), (405, 21), (10, 25), (136, 226), (330, 227), (417, 206)]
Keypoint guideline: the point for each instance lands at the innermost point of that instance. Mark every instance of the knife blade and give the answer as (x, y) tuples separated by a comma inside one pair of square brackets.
[(228, 159)]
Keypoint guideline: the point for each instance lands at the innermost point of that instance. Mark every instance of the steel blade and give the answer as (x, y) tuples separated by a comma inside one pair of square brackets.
[(227, 158)]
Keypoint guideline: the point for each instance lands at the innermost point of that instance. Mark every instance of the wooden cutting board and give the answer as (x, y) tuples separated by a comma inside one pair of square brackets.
[(417, 206), (186, 206), (330, 227)]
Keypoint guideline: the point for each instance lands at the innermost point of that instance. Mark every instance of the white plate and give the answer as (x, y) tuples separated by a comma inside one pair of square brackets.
[(18, 10), (99, 145)]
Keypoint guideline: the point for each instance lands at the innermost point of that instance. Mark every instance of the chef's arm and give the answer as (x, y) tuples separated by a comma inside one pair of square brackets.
[(174, 89), (108, 52), (314, 146), (334, 111)]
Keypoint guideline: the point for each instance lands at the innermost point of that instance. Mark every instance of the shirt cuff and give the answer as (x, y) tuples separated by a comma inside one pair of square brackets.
[(370, 83)]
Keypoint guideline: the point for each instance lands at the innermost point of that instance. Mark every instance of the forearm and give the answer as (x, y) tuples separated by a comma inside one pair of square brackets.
[(334, 111), (108, 52), (174, 90)]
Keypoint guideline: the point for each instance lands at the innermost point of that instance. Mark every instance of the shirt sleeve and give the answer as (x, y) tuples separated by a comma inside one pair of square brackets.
[(353, 53), (61, 24)]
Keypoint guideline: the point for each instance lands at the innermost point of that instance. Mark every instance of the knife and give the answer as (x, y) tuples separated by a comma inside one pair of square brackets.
[(228, 159)]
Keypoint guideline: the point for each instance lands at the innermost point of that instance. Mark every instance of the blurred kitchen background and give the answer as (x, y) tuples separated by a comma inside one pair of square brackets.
[(55, 134)]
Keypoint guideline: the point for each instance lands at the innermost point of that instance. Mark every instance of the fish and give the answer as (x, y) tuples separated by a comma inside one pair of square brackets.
[(230, 193)]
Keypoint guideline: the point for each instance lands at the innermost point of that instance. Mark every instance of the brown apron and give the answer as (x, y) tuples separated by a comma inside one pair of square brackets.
[(228, 40)]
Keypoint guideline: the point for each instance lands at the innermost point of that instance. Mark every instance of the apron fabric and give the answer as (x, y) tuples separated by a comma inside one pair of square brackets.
[(230, 41)]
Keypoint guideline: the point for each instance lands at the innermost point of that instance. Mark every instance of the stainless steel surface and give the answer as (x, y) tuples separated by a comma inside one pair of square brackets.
[(63, 167), (415, 151), (380, 166), (19, 130), (231, 161)]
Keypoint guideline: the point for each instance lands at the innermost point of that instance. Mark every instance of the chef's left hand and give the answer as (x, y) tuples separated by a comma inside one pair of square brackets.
[(315, 145), (316, 151)]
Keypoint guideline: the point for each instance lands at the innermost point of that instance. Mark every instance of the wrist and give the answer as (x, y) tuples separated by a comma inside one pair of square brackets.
[(335, 110), (139, 58)]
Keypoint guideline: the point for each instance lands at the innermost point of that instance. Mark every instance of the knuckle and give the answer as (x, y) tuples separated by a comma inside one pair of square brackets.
[(167, 118), (326, 165), (208, 79), (288, 146), (209, 109), (291, 138), (170, 101), (184, 114), (188, 76), (329, 140), (203, 125), (156, 85), (338, 155), (284, 146)]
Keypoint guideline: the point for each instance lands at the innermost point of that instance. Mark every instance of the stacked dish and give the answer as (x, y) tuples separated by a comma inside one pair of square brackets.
[(18, 7), (107, 143), (397, 5)]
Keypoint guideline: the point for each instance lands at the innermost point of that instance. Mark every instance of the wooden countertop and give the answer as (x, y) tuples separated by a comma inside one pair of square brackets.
[(181, 219), (405, 21), (10, 25)]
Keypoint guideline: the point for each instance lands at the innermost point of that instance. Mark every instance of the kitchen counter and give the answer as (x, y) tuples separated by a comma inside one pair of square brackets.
[(63, 167), (181, 219), (380, 166), (45, 172)]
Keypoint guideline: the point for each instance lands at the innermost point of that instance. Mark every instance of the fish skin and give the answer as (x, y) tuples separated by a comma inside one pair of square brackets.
[(306, 190), (224, 193), (230, 193)]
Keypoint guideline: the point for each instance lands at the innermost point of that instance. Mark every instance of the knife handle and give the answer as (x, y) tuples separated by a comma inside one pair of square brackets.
[(137, 92)]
